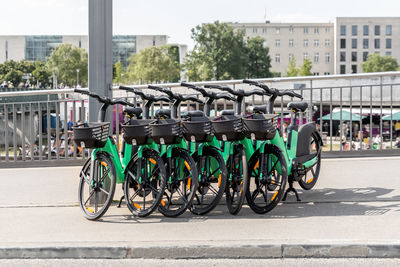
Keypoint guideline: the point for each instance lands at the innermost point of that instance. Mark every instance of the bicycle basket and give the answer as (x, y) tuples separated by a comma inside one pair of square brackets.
[(92, 134), (166, 131), (137, 132), (260, 126), (199, 130), (228, 128)]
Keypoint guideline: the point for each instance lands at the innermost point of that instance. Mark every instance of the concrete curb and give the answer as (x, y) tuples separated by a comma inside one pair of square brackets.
[(203, 251)]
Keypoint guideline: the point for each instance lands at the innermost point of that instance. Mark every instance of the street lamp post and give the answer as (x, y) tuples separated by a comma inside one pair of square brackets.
[(77, 77)]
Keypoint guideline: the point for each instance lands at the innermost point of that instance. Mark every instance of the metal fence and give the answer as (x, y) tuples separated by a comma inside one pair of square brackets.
[(35, 126)]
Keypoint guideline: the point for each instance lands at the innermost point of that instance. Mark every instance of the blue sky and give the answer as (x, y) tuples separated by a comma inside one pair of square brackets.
[(175, 18)]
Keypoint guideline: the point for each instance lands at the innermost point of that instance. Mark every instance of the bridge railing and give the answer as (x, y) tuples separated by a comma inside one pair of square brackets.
[(35, 126)]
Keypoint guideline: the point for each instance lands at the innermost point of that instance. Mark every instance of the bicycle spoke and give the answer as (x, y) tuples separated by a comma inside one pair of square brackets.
[(104, 191), (104, 175), (154, 189), (134, 195), (85, 178), (178, 190), (215, 191), (273, 168), (90, 196), (95, 202)]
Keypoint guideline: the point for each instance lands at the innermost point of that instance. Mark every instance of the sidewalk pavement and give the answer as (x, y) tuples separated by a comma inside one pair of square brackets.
[(354, 211)]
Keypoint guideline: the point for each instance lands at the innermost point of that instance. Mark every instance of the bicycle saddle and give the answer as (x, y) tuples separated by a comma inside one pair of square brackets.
[(194, 113), (166, 113), (227, 112), (260, 109), (298, 106), (133, 111)]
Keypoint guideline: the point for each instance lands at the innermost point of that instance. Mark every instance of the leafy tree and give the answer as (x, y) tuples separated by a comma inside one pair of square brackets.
[(65, 60), (153, 64), (305, 69), (218, 53), (378, 63), (275, 74), (12, 71), (258, 62), (119, 72), (41, 73), (292, 70)]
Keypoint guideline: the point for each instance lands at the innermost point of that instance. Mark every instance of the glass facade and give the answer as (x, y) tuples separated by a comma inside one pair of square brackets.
[(123, 47), (39, 47)]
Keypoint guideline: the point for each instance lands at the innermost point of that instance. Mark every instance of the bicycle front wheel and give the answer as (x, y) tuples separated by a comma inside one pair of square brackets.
[(144, 183), (267, 180), (96, 190), (182, 182), (212, 181)]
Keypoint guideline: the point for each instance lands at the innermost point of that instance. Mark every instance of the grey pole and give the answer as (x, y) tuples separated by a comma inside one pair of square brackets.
[(100, 53)]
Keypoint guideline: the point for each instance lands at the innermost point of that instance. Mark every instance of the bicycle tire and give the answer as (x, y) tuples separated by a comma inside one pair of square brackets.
[(105, 186), (237, 181), (183, 163), (304, 182), (271, 183), (213, 158), (151, 187)]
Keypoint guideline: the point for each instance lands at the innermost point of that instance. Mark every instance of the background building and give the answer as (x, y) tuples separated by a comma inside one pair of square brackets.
[(333, 48), (38, 47)]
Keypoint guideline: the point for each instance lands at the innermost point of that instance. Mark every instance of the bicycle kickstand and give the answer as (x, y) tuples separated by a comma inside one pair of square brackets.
[(120, 202), (291, 189)]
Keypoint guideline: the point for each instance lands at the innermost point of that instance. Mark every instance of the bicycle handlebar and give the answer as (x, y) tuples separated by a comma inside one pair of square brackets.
[(191, 98), (254, 92), (224, 96), (290, 93), (143, 96), (223, 88), (273, 91), (104, 100), (197, 88)]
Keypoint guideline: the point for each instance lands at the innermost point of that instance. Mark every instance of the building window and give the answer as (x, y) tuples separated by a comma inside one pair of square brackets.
[(39, 47), (277, 42), (316, 57), (327, 73), (291, 30), (342, 69), (342, 56), (80, 44), (327, 42), (305, 30), (388, 29), (316, 30), (315, 73), (353, 68), (264, 30), (354, 30), (377, 52), (277, 58), (290, 57), (377, 30), (327, 30), (365, 30), (305, 56), (388, 53), (342, 43), (388, 43), (343, 30), (365, 43), (123, 46), (377, 43), (154, 41), (278, 30), (354, 56), (255, 30), (365, 56), (291, 43), (353, 43), (316, 43), (305, 42), (327, 57)]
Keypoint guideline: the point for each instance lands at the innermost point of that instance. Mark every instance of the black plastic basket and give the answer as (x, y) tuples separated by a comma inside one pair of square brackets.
[(137, 132), (166, 131), (92, 134), (228, 129), (260, 126), (197, 130)]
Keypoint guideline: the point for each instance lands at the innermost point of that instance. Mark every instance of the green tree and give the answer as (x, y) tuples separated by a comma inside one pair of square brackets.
[(218, 53), (41, 73), (305, 69), (12, 71), (65, 60), (378, 63), (292, 70), (153, 64), (258, 60), (119, 72)]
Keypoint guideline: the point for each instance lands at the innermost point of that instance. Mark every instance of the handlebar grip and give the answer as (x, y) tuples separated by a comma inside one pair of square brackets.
[(225, 96), (192, 98), (154, 87), (187, 85), (212, 86), (126, 88), (80, 91), (163, 98), (122, 102), (249, 81)]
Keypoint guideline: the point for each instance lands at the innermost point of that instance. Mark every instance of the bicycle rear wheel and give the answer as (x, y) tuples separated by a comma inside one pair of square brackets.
[(212, 181), (237, 181), (182, 182), (267, 183), (143, 195), (96, 190), (306, 182)]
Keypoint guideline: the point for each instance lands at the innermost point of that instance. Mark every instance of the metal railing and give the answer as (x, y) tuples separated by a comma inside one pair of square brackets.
[(39, 131)]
